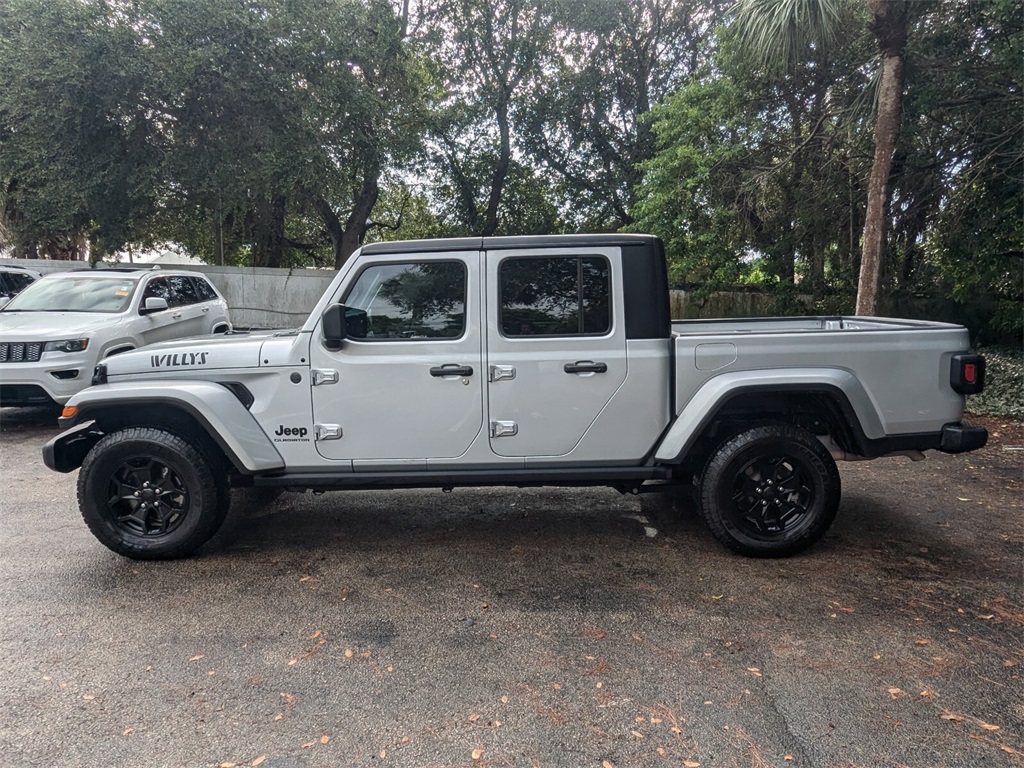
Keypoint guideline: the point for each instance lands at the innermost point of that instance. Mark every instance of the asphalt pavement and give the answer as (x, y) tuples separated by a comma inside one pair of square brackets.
[(500, 627)]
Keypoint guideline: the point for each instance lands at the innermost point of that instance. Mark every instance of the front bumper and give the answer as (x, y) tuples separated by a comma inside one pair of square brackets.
[(57, 375)]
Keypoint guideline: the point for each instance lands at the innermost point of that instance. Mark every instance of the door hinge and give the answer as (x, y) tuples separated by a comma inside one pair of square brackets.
[(499, 372), (323, 376), (503, 428), (328, 431)]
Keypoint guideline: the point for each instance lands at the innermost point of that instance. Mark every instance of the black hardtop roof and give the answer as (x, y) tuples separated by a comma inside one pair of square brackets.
[(507, 243)]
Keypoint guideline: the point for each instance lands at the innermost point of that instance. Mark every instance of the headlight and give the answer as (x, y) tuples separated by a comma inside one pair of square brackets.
[(68, 345)]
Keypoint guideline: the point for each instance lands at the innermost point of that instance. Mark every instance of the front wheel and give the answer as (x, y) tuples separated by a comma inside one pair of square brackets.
[(770, 491), (149, 494)]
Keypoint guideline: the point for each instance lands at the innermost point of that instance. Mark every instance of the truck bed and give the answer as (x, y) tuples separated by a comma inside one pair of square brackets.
[(894, 372)]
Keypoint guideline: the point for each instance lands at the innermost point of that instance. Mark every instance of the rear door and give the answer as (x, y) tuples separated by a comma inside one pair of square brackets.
[(556, 346), (407, 384)]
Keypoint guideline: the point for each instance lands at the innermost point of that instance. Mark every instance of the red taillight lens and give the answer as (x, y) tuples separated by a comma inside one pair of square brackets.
[(967, 374)]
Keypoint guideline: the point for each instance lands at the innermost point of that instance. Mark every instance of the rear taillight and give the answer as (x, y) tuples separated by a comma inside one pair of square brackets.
[(967, 374)]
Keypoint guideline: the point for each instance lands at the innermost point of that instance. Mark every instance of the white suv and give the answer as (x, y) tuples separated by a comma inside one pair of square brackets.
[(54, 332)]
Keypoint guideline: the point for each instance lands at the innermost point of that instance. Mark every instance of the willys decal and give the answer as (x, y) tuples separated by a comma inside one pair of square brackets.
[(178, 360)]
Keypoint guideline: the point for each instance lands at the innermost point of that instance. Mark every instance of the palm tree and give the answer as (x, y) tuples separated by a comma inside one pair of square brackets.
[(777, 31)]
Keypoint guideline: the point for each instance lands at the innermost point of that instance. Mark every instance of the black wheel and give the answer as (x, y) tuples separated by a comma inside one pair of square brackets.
[(149, 494), (770, 491)]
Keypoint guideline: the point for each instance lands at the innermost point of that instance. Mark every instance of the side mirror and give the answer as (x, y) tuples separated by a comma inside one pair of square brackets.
[(153, 304), (334, 326), (4, 300)]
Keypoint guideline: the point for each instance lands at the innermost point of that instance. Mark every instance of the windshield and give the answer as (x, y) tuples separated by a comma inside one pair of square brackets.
[(75, 294)]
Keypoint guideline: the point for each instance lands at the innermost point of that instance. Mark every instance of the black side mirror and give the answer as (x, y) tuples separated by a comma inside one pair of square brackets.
[(334, 326)]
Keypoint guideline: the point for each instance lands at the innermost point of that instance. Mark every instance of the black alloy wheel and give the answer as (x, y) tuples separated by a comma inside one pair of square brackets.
[(150, 494), (770, 491)]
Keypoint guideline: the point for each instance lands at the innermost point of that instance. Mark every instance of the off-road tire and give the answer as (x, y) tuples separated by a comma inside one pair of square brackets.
[(770, 491), (150, 494)]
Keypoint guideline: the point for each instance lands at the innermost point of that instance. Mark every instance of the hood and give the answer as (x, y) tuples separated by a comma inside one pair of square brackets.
[(52, 326), (199, 353)]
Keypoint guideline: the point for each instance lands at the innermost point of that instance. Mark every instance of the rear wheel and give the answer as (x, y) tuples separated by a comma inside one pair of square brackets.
[(770, 491), (149, 494)]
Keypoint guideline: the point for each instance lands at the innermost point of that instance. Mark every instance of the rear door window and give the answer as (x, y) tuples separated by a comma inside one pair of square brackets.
[(555, 296)]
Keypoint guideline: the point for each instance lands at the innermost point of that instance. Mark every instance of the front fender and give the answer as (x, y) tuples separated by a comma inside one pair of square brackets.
[(213, 406), (708, 400)]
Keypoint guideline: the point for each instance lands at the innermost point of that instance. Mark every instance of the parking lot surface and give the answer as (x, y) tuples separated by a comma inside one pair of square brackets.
[(498, 627)]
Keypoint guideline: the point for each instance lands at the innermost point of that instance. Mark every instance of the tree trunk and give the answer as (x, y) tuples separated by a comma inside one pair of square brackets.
[(348, 237), (500, 170), (355, 225), (890, 27), (268, 232)]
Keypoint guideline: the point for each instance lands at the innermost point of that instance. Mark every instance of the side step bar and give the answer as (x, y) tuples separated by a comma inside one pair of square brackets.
[(617, 477)]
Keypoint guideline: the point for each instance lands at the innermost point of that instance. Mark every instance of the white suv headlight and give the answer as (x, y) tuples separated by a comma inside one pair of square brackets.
[(67, 345)]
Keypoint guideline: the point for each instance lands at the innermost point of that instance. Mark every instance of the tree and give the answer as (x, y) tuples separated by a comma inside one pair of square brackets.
[(78, 155), (777, 31), (610, 64), (487, 56)]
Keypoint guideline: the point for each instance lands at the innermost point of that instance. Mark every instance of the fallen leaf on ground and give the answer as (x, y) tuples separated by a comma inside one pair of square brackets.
[(953, 716), (606, 764), (324, 739), (897, 692), (988, 726), (476, 754), (259, 760), (197, 658), (691, 764), (754, 671), (637, 734)]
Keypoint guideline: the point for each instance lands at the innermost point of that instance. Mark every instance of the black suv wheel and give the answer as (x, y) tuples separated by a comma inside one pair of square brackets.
[(149, 494)]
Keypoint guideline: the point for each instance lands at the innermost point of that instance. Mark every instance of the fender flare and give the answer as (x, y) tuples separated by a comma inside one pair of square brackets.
[(213, 406), (717, 391)]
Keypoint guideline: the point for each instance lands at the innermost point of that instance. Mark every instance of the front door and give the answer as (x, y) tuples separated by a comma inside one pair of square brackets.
[(409, 376), (556, 347)]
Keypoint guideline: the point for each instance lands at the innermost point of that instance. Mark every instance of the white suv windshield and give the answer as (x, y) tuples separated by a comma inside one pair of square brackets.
[(75, 294)]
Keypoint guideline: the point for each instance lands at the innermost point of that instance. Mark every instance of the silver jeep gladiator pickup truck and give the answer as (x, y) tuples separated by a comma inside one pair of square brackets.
[(518, 361)]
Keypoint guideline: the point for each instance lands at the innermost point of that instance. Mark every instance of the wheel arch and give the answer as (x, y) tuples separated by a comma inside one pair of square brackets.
[(207, 409), (830, 400)]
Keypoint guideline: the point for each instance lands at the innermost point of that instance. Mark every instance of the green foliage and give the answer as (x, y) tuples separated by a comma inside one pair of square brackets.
[(287, 132), (1004, 385)]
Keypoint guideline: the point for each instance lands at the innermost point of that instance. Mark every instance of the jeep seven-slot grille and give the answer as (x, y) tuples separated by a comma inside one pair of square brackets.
[(20, 352)]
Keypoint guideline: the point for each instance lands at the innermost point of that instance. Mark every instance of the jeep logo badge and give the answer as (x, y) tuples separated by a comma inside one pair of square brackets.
[(291, 434)]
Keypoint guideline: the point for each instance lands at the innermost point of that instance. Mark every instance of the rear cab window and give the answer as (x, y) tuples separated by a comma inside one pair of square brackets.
[(555, 296)]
